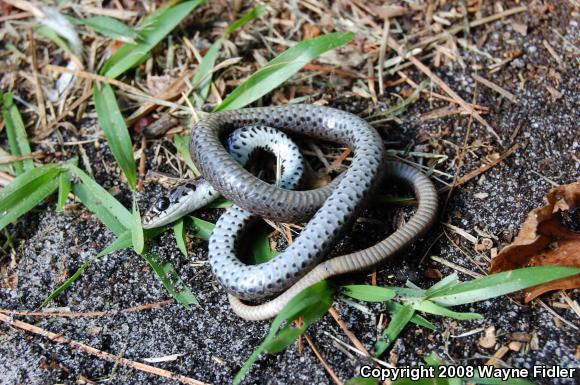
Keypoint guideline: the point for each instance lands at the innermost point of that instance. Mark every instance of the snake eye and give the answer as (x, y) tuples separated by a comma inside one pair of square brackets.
[(191, 186), (162, 204)]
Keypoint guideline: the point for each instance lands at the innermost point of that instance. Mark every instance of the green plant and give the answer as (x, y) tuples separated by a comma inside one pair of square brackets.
[(410, 300)]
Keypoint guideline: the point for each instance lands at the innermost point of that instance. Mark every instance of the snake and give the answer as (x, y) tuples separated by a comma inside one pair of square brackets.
[(330, 210), (241, 144)]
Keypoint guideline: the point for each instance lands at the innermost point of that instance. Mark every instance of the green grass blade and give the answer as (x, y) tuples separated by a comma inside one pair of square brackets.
[(398, 322), (499, 284), (152, 30), (289, 334), (310, 297), (17, 137), (497, 381), (50, 34), (109, 27), (181, 143), (137, 230), (27, 191), (122, 242), (432, 308), (171, 280), (202, 79), (368, 293), (252, 14), (282, 68), (202, 228), (98, 200), (261, 250), (393, 307), (64, 188), (448, 281), (113, 125), (362, 381), (220, 203), (179, 231)]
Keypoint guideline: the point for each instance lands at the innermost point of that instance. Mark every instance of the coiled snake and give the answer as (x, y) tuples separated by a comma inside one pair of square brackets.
[(331, 208)]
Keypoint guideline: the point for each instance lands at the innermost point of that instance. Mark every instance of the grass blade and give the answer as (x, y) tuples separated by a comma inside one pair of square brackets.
[(64, 188), (137, 230), (17, 138), (179, 231), (398, 322), (27, 191), (368, 293), (98, 200), (181, 143), (445, 282), (50, 34), (202, 78), (311, 297), (202, 228), (432, 308), (109, 27), (497, 381), (113, 125), (252, 14), (261, 250), (393, 307), (171, 280), (122, 242), (152, 30), (282, 68), (362, 381), (499, 284)]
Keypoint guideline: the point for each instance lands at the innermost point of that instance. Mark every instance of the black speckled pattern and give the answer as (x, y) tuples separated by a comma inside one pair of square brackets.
[(359, 260), (263, 199)]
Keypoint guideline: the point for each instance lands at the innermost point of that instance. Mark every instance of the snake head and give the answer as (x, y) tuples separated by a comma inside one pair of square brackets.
[(179, 202)]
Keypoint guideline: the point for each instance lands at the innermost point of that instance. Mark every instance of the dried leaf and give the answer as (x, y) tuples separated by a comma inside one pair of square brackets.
[(544, 240), (488, 340)]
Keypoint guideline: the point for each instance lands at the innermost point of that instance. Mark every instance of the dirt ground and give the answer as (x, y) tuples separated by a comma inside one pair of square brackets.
[(212, 342)]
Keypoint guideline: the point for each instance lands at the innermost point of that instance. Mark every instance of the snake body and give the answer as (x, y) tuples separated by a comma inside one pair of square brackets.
[(332, 207), (241, 144)]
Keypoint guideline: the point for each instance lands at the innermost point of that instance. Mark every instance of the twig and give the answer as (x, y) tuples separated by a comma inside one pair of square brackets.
[(506, 94), (132, 90), (87, 314), (461, 27), (480, 170), (59, 338), (552, 52), (410, 81), (347, 332), (37, 88), (437, 80), (63, 115), (16, 158), (382, 52), (322, 360), (455, 266)]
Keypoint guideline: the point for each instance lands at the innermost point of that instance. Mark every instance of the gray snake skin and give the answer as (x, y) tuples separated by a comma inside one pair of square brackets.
[(332, 207)]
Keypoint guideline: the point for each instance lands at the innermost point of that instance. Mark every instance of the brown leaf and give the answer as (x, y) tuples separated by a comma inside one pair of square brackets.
[(488, 340), (544, 240)]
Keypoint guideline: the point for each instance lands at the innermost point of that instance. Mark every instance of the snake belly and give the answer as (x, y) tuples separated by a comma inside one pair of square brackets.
[(332, 208)]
